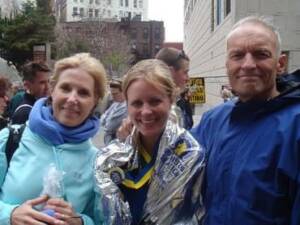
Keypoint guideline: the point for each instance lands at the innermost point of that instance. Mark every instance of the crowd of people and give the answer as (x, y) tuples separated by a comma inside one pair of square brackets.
[(239, 165)]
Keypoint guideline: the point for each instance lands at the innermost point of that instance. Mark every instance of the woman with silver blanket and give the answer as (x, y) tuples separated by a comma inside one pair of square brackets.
[(154, 176)]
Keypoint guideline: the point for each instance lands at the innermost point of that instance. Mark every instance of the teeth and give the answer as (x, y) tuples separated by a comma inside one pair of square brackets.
[(148, 121)]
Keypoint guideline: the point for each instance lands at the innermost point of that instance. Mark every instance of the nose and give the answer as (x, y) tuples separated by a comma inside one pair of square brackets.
[(249, 61), (146, 109), (73, 97)]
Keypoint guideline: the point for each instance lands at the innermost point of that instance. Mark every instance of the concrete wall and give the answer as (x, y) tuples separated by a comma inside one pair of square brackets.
[(206, 48)]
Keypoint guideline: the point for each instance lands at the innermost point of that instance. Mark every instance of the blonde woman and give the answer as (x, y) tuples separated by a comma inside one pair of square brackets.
[(57, 139), (152, 178)]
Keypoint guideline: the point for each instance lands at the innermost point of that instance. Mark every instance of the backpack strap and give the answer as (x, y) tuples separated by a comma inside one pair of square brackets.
[(22, 106), (15, 134)]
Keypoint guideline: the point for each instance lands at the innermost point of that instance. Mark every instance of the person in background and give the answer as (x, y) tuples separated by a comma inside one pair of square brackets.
[(52, 168), (113, 116), (36, 83), (184, 104), (3, 105), (18, 93), (288, 80), (178, 63), (153, 177), (226, 93), (4, 86), (253, 143)]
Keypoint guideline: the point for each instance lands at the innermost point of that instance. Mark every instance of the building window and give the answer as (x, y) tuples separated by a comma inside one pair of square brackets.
[(108, 13), (219, 12), (227, 7), (97, 2), (121, 2), (75, 1), (108, 2), (145, 49), (212, 15), (121, 15), (81, 12), (157, 47), (126, 3), (75, 11), (145, 33), (140, 3), (135, 3), (90, 13), (96, 12), (91, 1), (133, 33), (157, 33), (81, 0)]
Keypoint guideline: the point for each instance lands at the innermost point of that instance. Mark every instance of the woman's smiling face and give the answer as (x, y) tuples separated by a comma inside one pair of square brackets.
[(148, 108), (73, 97)]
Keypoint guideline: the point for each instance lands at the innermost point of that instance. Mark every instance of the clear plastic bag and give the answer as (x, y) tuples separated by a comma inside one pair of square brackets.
[(52, 182)]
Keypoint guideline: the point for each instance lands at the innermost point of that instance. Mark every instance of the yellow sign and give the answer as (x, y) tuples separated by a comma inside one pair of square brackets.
[(197, 90)]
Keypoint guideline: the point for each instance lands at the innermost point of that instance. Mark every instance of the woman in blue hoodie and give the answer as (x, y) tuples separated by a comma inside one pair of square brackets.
[(50, 178)]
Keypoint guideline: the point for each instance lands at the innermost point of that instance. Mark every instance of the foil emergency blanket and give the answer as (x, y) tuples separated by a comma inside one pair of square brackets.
[(174, 191)]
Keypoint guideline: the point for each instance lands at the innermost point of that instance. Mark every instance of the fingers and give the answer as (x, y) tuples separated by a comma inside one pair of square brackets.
[(125, 129), (70, 220), (64, 211), (60, 206), (37, 201), (47, 219), (25, 214)]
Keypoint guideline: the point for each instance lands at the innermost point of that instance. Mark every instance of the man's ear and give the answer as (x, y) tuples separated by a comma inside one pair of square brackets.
[(27, 85), (282, 64)]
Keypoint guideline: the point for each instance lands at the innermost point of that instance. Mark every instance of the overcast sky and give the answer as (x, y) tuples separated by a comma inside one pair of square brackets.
[(171, 12)]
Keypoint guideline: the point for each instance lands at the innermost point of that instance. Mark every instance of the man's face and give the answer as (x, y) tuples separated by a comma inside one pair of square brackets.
[(39, 87), (116, 94), (252, 62)]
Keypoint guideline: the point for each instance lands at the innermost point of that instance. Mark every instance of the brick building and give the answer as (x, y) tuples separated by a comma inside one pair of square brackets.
[(146, 37)]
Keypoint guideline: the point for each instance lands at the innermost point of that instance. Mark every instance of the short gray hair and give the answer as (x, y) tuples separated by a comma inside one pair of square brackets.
[(266, 22)]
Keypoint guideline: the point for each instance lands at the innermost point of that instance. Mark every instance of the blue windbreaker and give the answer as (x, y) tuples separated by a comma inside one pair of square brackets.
[(253, 168)]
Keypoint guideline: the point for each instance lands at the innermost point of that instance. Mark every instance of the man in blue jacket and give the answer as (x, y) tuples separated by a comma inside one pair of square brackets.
[(253, 143)]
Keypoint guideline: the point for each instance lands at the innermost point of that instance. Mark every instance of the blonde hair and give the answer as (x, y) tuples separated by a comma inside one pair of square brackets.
[(153, 71), (87, 63)]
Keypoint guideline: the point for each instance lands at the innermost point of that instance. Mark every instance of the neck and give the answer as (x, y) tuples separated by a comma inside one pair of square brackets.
[(148, 143), (273, 94)]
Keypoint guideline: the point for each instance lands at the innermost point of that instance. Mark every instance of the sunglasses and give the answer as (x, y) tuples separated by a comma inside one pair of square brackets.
[(181, 55)]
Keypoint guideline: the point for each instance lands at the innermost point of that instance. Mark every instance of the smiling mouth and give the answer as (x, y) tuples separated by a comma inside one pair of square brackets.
[(71, 111)]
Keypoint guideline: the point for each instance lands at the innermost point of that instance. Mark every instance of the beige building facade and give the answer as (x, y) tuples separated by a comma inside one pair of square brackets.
[(207, 22)]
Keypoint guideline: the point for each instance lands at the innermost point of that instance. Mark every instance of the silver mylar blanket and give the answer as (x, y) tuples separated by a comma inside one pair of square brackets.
[(174, 192)]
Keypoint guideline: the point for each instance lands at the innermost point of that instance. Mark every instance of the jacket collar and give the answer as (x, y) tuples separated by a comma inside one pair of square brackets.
[(252, 110)]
